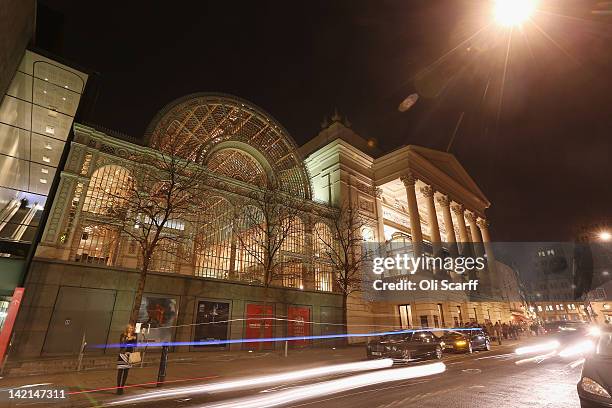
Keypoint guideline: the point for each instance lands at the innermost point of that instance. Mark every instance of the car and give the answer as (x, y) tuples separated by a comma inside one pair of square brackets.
[(466, 341), (564, 327), (405, 346), (480, 339), (567, 333), (595, 385)]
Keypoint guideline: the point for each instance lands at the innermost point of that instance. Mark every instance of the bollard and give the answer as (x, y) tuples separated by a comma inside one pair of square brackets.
[(163, 364), (286, 347)]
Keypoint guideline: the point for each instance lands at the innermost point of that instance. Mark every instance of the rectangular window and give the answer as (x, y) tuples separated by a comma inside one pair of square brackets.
[(292, 273), (405, 312), (323, 277), (441, 313), (424, 321), (98, 244)]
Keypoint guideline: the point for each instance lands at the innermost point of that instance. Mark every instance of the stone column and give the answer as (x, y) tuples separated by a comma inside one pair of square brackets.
[(475, 244), (434, 228), (486, 238), (451, 239), (415, 220), (471, 217), (459, 211), (380, 221)]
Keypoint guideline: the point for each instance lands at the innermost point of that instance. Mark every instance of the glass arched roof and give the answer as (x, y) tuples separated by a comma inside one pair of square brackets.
[(206, 128)]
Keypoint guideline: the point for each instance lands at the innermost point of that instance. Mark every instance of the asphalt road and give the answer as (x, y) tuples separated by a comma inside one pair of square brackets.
[(483, 379)]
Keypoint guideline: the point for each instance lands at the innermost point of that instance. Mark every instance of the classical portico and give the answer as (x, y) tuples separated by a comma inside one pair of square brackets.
[(412, 195)]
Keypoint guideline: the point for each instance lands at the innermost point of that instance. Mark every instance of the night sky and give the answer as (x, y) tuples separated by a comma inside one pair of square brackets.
[(540, 150)]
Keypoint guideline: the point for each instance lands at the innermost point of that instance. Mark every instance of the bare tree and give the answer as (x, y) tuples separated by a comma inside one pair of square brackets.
[(346, 252), (266, 227), (157, 210), (267, 230)]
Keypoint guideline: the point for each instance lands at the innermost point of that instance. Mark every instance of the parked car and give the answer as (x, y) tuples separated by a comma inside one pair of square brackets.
[(404, 346), (466, 341), (595, 385)]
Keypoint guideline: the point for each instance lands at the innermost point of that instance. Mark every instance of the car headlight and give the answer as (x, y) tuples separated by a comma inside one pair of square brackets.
[(593, 387), (461, 343)]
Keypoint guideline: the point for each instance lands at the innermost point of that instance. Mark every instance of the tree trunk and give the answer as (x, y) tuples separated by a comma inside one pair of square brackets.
[(139, 292), (344, 338), (264, 320)]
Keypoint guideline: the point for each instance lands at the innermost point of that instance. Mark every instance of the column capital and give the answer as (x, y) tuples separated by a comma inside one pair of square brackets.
[(482, 223), (443, 200), (470, 216), (427, 191), (378, 192), (458, 209), (408, 179)]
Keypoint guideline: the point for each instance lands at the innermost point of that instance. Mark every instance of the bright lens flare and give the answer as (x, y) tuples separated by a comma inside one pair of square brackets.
[(594, 331), (552, 345), (578, 349), (511, 13)]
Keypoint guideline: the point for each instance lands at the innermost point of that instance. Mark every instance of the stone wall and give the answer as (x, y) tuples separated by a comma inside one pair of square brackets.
[(48, 280)]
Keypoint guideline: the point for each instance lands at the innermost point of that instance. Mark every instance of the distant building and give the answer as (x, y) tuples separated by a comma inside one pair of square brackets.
[(551, 289)]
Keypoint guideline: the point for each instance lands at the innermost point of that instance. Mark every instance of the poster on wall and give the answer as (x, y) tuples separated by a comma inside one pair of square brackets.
[(258, 325), (298, 324), (212, 320), (157, 318)]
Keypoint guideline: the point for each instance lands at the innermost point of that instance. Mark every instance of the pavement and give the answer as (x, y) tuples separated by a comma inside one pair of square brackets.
[(484, 379)]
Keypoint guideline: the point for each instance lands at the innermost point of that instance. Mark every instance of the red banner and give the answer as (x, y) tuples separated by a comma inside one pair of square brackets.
[(298, 324), (257, 326), (9, 322)]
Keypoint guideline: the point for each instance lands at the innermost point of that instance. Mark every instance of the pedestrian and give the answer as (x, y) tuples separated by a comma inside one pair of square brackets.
[(127, 340), (505, 330), (498, 332)]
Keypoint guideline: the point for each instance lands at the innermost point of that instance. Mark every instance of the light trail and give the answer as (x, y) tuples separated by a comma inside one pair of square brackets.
[(252, 382), (538, 348), (275, 339), (577, 349), (331, 387)]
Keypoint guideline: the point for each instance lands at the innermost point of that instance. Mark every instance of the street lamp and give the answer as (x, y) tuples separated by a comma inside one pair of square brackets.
[(605, 236), (512, 13)]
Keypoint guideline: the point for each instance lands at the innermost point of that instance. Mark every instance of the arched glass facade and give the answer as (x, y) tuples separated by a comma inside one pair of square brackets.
[(247, 155)]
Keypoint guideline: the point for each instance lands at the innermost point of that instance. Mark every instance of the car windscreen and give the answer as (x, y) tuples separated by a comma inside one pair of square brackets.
[(604, 346)]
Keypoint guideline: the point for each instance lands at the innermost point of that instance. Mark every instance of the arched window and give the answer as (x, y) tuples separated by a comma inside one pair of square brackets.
[(213, 244), (323, 253), (249, 234), (367, 233), (108, 187)]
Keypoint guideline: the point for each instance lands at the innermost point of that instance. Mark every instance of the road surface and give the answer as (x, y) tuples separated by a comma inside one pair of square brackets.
[(482, 379)]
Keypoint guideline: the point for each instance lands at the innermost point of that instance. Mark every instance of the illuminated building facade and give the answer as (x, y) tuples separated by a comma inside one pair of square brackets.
[(85, 272)]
